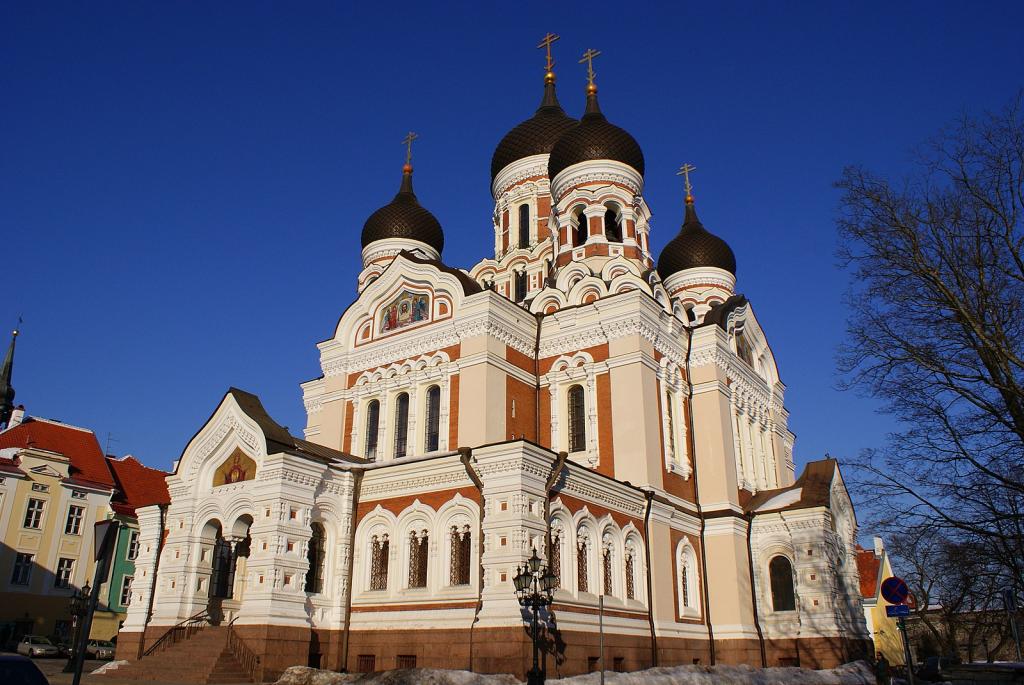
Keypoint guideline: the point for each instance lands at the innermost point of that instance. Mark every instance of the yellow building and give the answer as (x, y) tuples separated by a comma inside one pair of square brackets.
[(54, 486), (873, 565)]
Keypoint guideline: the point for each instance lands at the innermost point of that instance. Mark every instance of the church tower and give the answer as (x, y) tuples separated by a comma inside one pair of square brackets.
[(401, 225)]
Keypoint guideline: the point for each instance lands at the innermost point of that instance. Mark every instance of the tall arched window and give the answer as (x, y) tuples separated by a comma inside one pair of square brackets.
[(315, 555), (580, 231), (582, 570), (401, 425), (524, 225), (520, 286), (577, 419), (372, 424), (379, 555), (612, 227), (461, 542), (418, 547), (433, 418), (780, 570)]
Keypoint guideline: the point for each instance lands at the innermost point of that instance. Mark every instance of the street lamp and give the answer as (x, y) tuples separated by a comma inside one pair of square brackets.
[(79, 606), (535, 584)]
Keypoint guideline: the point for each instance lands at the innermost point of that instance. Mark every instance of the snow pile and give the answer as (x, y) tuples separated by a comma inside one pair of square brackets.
[(110, 666), (303, 675), (858, 673)]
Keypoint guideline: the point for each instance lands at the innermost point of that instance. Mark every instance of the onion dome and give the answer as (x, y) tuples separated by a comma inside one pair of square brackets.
[(536, 135), (594, 138), (695, 247), (404, 218)]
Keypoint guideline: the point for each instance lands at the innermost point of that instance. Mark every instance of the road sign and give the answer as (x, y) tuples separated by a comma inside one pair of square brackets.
[(894, 610), (895, 590)]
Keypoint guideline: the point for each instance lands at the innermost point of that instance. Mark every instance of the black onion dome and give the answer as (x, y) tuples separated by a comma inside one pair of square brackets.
[(595, 138), (535, 136), (404, 217), (695, 247)]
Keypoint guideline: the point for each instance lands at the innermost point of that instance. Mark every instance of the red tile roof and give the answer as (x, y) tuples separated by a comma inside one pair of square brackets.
[(79, 445), (869, 566), (138, 485)]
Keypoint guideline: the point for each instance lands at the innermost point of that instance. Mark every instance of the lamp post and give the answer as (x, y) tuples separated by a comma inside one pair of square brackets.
[(535, 584), (79, 605)]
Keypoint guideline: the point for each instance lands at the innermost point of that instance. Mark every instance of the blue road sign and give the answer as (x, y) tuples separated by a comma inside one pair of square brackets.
[(895, 590), (894, 610)]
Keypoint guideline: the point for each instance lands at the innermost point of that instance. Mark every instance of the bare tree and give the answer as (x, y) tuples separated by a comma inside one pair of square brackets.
[(937, 333)]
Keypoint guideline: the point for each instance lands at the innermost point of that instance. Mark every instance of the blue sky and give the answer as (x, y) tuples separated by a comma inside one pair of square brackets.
[(182, 185)]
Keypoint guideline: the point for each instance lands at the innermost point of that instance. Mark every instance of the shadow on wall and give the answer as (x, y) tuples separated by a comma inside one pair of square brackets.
[(33, 601)]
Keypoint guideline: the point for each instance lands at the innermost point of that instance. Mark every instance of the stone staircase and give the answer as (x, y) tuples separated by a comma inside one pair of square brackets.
[(203, 657)]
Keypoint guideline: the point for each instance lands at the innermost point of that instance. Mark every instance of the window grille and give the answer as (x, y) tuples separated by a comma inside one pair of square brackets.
[(34, 513), (73, 526), (577, 419), (372, 425), (433, 418), (401, 425), (581, 564), (606, 568), (62, 578), (630, 576), (379, 562), (461, 553), (524, 225), (418, 547)]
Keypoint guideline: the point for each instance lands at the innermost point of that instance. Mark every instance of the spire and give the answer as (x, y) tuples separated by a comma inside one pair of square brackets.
[(6, 389)]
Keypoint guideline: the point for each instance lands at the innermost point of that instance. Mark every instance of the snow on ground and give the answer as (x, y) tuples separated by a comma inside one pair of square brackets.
[(858, 673)]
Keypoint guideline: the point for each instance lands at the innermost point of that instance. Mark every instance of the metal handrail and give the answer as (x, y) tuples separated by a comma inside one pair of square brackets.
[(243, 654), (182, 631)]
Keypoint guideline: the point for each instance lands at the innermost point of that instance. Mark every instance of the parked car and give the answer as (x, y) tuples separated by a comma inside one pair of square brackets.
[(100, 649), (932, 670), (37, 645), (19, 670)]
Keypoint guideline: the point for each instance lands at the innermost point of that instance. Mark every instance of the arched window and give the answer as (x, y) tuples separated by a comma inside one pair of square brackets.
[(524, 225), (461, 550), (780, 570), (433, 418), (379, 562), (418, 547), (582, 550), (606, 565), (401, 425), (222, 579), (612, 227), (581, 231), (687, 570), (520, 286), (372, 424), (577, 419), (315, 555)]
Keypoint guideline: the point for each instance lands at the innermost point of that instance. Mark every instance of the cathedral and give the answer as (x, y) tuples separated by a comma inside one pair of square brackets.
[(617, 412)]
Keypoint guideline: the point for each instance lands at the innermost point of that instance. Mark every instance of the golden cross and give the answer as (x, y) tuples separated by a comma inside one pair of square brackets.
[(685, 171), (407, 141), (588, 57), (546, 43)]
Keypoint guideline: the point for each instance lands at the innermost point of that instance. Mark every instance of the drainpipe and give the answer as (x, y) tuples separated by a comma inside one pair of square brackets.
[(357, 481), (696, 496), (753, 590), (650, 590), (156, 569), (466, 454)]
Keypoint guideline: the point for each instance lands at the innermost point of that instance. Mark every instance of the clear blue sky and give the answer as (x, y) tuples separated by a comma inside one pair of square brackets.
[(182, 185)]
